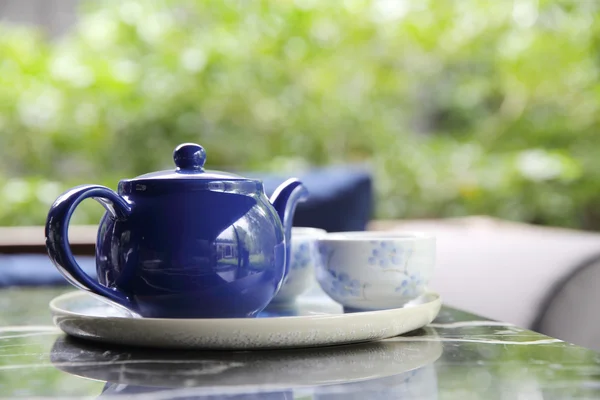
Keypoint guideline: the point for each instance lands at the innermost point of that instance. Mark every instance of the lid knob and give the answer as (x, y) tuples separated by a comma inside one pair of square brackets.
[(189, 157)]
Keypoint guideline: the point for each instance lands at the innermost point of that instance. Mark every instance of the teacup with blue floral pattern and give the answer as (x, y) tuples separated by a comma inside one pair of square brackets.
[(375, 270), (304, 257)]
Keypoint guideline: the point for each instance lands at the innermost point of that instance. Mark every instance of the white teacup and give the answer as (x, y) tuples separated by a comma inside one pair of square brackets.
[(304, 257), (375, 270)]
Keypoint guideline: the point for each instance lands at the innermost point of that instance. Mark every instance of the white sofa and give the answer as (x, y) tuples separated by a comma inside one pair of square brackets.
[(535, 277)]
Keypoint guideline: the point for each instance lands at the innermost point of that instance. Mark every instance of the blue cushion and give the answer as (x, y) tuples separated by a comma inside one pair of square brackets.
[(340, 200), (36, 270), (341, 197)]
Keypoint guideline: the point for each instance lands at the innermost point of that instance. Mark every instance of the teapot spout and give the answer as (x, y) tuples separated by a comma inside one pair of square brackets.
[(285, 199)]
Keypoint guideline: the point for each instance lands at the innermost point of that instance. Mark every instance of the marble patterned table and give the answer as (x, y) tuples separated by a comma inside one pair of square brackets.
[(459, 356)]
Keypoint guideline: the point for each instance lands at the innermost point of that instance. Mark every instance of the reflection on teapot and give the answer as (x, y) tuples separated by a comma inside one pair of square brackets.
[(221, 373)]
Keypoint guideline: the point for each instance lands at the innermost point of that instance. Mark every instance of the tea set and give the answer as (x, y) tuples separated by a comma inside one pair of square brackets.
[(197, 258)]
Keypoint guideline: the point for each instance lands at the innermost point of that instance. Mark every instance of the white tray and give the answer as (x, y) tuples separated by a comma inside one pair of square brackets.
[(317, 321)]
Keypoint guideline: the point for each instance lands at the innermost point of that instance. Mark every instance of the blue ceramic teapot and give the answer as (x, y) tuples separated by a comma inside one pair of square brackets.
[(183, 243)]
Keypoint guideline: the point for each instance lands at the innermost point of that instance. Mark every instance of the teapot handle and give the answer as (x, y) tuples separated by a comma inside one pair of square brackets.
[(57, 238)]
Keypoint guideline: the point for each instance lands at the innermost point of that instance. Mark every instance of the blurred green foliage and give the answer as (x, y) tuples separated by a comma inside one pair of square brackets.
[(461, 107)]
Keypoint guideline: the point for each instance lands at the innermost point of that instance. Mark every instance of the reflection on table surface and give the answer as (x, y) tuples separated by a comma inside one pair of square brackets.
[(459, 356), (235, 373)]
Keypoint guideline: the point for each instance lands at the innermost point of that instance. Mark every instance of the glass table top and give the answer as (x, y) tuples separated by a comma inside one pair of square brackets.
[(458, 356)]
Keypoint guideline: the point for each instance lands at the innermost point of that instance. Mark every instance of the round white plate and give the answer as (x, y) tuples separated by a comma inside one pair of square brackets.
[(317, 321)]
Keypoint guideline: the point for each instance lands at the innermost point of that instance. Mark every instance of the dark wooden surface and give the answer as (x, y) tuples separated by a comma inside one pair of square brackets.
[(30, 239)]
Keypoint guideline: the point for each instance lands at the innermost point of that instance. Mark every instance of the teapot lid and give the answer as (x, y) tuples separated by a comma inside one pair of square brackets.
[(189, 161)]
